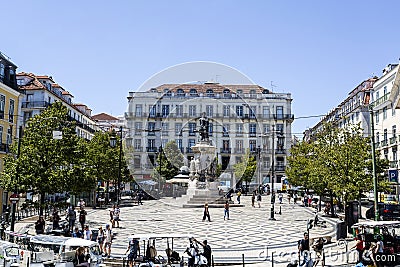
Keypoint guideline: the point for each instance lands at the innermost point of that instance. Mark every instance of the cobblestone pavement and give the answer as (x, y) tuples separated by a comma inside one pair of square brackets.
[(248, 232)]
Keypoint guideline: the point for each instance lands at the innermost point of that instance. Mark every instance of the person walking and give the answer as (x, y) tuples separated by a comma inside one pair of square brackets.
[(71, 215), (206, 250), (40, 225), (259, 199), (253, 198), (139, 198), (100, 239), (56, 220), (206, 213), (226, 210), (133, 247), (108, 236), (76, 233), (318, 248), (116, 214), (239, 194), (87, 233), (289, 196), (359, 246), (82, 217), (280, 197)]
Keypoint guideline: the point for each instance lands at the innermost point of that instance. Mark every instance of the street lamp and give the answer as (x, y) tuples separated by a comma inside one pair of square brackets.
[(272, 217), (160, 151), (113, 143)]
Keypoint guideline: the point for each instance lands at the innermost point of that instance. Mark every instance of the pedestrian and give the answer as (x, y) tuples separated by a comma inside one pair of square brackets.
[(87, 233), (318, 248), (305, 200), (71, 215), (310, 198), (280, 197), (206, 213), (139, 198), (56, 220), (133, 247), (239, 193), (304, 250), (116, 213), (206, 250), (253, 198), (295, 198), (80, 257), (82, 217), (259, 199), (379, 251), (100, 239), (359, 246), (40, 225), (112, 215), (289, 196), (226, 210), (81, 204), (108, 236), (191, 251), (77, 233)]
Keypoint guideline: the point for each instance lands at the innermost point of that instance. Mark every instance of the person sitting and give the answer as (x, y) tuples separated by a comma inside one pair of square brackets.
[(80, 258)]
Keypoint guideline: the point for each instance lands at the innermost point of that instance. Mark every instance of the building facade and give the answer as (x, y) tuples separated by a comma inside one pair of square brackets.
[(241, 118), (42, 91)]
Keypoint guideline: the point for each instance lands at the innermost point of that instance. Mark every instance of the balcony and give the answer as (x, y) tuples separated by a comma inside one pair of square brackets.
[(279, 168), (280, 151), (138, 149), (239, 150), (151, 149), (384, 143), (226, 150), (35, 104), (393, 164), (393, 140)]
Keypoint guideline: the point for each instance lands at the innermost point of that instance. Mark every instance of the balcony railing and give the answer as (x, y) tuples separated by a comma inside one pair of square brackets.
[(35, 104), (189, 150), (239, 150), (138, 149), (279, 168), (392, 140), (280, 151), (226, 150), (393, 164), (151, 149), (384, 143)]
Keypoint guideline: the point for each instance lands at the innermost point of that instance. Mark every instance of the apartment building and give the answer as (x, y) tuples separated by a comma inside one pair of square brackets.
[(40, 91), (241, 117)]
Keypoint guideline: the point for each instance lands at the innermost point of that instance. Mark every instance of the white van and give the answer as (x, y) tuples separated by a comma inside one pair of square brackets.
[(9, 254)]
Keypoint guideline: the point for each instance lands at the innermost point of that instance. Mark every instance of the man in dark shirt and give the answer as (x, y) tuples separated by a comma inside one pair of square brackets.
[(206, 250), (304, 244)]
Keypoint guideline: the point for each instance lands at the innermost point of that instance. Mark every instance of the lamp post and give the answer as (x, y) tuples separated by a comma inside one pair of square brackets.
[(160, 151), (375, 179), (113, 143), (14, 202), (272, 217)]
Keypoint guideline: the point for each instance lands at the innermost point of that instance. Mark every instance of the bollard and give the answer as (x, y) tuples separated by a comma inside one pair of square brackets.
[(272, 259), (123, 262), (280, 210), (323, 257), (243, 259), (212, 260)]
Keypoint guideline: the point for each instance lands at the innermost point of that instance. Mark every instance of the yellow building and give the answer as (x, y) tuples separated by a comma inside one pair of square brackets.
[(9, 114)]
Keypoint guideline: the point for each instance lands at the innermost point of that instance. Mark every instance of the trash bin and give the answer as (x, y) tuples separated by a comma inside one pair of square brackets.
[(341, 231)]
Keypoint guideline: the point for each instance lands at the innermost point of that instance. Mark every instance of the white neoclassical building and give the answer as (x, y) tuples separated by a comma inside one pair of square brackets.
[(241, 117)]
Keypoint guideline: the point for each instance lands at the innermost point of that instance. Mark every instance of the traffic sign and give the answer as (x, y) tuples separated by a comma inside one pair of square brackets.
[(14, 198)]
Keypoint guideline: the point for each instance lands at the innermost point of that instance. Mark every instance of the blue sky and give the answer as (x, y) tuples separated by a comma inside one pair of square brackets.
[(100, 50)]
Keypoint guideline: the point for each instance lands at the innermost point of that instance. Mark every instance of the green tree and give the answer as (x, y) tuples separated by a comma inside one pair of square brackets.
[(45, 164), (171, 160), (245, 169)]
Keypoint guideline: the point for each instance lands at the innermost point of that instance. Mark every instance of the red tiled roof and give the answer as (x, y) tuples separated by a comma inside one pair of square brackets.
[(104, 117), (217, 88)]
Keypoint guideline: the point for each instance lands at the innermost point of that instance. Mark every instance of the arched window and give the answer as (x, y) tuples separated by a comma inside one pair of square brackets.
[(265, 91), (227, 93), (193, 92), (167, 92), (209, 93), (239, 91), (180, 92)]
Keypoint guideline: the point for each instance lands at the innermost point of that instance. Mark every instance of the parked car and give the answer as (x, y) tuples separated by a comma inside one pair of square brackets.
[(387, 212)]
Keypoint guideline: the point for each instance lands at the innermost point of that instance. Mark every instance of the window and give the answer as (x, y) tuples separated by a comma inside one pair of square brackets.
[(384, 111), (394, 153), (252, 145), (226, 110), (253, 129), (279, 128), (279, 112), (209, 111), (239, 129), (377, 95), (180, 92), (191, 142), (151, 126), (192, 128), (138, 110), (226, 93), (2, 106), (151, 144), (377, 116), (27, 116), (152, 111), (225, 145), (377, 137), (164, 142), (210, 129), (179, 143), (384, 90), (253, 93), (9, 135), (1, 134), (167, 92), (138, 128), (225, 130), (179, 110), (239, 146), (266, 128), (178, 128), (393, 110), (192, 110), (1, 70), (253, 111), (239, 91), (265, 91), (266, 112), (385, 135), (394, 130), (165, 110), (239, 111), (209, 93), (193, 92), (138, 145), (165, 128), (11, 111)]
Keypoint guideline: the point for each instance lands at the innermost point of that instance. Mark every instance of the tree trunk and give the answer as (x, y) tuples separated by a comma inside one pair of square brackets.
[(41, 203), (332, 207), (359, 205)]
